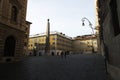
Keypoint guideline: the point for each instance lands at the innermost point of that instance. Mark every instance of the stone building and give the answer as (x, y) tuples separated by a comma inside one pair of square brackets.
[(85, 44), (14, 29), (109, 30), (59, 42)]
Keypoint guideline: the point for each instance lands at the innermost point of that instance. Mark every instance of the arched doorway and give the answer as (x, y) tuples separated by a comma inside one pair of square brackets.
[(9, 49)]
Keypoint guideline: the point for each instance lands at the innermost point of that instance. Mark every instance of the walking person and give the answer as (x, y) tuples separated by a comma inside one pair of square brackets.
[(62, 54), (65, 54)]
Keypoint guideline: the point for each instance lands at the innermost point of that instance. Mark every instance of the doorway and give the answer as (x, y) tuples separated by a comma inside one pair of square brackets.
[(9, 49)]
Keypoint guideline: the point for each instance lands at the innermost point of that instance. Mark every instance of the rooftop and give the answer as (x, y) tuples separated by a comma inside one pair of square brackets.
[(52, 32)]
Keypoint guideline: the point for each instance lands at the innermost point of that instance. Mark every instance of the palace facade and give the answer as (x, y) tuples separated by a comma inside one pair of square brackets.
[(108, 14), (85, 44), (14, 29)]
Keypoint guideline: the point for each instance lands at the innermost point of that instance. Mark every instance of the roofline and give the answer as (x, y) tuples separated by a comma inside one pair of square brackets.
[(51, 33)]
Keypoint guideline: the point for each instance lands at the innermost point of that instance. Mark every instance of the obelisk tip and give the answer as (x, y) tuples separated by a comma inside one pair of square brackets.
[(48, 19)]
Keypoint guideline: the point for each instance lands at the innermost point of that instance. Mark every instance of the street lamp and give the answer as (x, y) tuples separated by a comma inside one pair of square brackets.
[(90, 25)]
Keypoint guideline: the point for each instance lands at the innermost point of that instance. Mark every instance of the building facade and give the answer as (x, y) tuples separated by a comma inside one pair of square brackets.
[(109, 22), (59, 42), (85, 44), (14, 29)]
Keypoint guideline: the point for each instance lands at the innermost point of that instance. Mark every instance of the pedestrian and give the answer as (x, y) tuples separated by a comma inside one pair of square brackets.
[(52, 53), (40, 54), (65, 54), (61, 54), (30, 54)]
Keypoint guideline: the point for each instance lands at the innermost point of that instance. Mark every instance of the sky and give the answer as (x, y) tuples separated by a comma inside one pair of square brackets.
[(65, 16)]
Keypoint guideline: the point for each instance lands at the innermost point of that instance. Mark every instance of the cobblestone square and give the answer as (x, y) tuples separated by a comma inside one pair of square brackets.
[(73, 67)]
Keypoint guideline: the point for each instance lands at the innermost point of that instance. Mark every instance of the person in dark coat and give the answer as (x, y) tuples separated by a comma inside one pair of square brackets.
[(62, 54)]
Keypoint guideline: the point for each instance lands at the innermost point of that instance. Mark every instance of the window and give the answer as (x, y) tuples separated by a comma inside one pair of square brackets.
[(95, 43), (53, 38), (53, 47), (53, 42), (0, 6), (26, 36), (87, 42), (26, 29), (25, 44), (114, 14), (14, 13)]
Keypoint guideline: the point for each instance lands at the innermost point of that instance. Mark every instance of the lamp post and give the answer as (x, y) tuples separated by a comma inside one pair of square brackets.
[(90, 25)]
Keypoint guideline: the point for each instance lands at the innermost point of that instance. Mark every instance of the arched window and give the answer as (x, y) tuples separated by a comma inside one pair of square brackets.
[(0, 3), (14, 13)]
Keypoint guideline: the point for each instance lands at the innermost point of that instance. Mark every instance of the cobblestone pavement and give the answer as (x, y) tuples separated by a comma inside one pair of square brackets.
[(73, 67)]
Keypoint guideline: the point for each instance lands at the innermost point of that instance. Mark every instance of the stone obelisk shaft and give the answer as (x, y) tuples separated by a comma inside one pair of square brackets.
[(47, 46)]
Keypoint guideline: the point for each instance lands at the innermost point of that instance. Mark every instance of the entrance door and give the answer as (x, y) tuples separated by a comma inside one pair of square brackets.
[(9, 49)]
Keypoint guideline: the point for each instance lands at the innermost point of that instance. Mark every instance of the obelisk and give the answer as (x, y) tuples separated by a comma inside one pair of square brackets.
[(47, 46)]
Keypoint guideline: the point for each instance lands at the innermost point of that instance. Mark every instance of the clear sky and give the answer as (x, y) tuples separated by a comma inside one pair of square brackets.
[(65, 16)]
